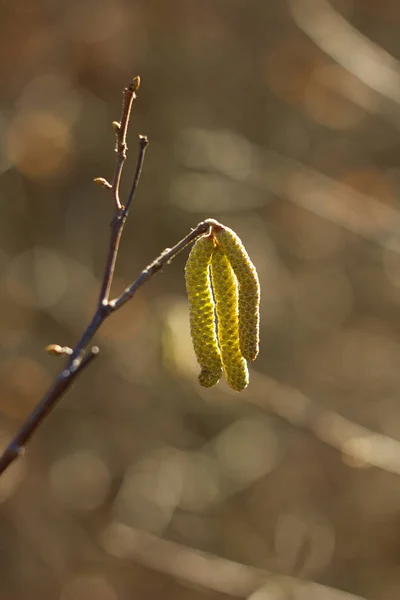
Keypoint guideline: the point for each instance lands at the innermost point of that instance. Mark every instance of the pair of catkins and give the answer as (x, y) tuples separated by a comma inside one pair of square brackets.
[(224, 296)]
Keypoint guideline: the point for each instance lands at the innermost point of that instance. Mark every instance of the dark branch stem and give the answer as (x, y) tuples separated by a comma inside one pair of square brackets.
[(63, 381), (116, 232), (143, 143), (98, 318)]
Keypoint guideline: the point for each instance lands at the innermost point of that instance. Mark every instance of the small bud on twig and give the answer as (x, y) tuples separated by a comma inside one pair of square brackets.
[(56, 350), (116, 126), (103, 182), (135, 85)]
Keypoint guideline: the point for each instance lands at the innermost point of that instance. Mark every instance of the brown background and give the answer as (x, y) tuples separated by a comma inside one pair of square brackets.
[(280, 119)]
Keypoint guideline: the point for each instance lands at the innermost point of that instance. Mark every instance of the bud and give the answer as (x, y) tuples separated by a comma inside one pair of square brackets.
[(135, 85), (56, 350), (103, 182)]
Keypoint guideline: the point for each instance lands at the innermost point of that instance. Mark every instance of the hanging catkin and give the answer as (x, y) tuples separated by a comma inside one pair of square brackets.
[(249, 291), (202, 311), (226, 300)]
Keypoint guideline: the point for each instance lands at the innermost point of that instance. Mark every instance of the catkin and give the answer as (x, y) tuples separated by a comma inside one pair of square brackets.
[(226, 300), (249, 291), (202, 311)]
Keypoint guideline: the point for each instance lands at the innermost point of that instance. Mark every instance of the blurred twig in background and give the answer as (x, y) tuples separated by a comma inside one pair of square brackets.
[(358, 445), (355, 52), (213, 573)]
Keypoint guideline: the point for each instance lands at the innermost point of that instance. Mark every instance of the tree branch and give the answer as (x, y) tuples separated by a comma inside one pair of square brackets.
[(80, 357)]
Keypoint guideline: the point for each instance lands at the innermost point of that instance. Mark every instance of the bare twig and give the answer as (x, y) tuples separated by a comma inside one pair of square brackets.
[(80, 357), (304, 186), (143, 141), (165, 257), (121, 129), (121, 212)]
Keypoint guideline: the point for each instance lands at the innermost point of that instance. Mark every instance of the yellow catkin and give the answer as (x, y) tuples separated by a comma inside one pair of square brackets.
[(249, 291), (226, 300), (202, 311)]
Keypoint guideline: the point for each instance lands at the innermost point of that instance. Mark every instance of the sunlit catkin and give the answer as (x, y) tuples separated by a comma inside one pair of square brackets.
[(249, 291), (202, 312), (226, 300)]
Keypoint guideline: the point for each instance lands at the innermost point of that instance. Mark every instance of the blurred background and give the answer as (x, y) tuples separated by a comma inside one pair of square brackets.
[(281, 119)]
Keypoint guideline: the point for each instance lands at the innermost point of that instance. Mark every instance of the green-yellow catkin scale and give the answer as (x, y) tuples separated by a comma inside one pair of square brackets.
[(202, 311), (226, 301), (249, 291)]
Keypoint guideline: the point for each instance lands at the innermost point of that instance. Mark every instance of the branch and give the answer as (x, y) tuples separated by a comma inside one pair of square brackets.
[(80, 357)]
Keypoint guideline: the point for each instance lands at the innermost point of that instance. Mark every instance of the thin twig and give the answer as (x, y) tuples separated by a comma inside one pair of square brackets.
[(119, 220), (117, 227), (79, 357), (143, 143), (165, 257), (121, 129)]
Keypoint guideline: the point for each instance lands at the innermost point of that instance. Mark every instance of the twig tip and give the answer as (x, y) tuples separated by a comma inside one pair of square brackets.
[(143, 140), (135, 85)]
